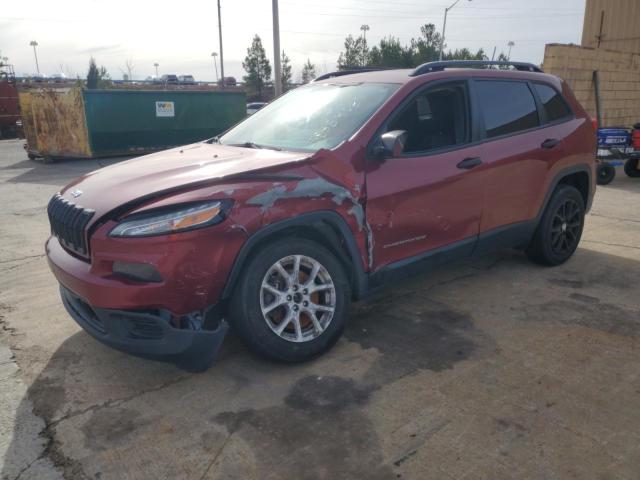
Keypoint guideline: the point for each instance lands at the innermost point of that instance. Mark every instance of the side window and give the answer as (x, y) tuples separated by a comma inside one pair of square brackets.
[(436, 118), (507, 107), (554, 105)]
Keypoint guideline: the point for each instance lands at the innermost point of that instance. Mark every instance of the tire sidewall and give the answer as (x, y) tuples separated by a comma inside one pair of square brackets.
[(563, 193), (631, 168), (608, 178), (246, 315)]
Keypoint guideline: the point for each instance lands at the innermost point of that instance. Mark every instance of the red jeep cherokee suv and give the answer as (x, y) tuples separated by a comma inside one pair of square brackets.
[(329, 192)]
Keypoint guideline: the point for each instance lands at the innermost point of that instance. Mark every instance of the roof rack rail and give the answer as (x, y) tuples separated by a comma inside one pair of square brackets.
[(340, 73), (439, 66)]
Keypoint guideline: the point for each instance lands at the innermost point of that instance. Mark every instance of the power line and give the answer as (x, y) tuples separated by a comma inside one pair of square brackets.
[(414, 16), (437, 7)]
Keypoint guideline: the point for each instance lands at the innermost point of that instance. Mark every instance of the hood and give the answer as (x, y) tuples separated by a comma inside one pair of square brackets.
[(110, 187)]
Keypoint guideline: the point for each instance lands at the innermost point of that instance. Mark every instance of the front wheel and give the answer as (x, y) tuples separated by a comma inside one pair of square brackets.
[(631, 168), (291, 302), (560, 228), (605, 174)]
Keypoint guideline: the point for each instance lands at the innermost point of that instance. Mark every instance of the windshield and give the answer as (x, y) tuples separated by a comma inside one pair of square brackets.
[(312, 117)]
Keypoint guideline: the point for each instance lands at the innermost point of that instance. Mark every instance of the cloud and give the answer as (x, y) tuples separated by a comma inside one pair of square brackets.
[(115, 48)]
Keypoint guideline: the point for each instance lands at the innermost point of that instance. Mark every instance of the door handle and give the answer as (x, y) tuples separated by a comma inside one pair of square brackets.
[(469, 163), (550, 143)]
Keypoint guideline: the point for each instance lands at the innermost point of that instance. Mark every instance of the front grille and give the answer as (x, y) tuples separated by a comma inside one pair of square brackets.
[(68, 223)]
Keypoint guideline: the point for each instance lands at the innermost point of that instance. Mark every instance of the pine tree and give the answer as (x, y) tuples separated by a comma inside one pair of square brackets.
[(351, 57), (308, 72), (93, 75), (257, 66), (285, 72)]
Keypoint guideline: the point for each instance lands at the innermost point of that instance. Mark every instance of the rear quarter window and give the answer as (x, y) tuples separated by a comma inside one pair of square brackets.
[(554, 104), (507, 107)]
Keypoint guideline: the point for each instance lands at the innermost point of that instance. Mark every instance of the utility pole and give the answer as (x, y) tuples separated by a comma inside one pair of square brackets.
[(34, 44), (221, 54), (215, 63), (444, 25), (365, 29), (277, 83)]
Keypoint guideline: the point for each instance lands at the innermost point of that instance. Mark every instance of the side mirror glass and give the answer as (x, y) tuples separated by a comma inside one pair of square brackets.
[(394, 142)]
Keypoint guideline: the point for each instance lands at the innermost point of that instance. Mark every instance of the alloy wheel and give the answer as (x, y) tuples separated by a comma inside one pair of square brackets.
[(297, 298), (565, 227)]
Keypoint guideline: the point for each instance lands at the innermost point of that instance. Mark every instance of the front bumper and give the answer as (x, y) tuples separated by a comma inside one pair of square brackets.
[(147, 334)]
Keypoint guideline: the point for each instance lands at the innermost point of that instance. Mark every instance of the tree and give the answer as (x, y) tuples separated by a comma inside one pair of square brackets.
[(97, 77), (351, 57), (308, 72), (257, 66), (464, 54), (93, 75), (426, 46), (130, 67), (390, 53), (285, 72)]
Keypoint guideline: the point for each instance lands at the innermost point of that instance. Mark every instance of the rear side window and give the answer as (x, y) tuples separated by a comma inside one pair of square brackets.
[(554, 105), (507, 107)]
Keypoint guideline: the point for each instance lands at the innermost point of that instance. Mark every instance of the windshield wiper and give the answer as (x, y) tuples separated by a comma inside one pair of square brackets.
[(254, 145)]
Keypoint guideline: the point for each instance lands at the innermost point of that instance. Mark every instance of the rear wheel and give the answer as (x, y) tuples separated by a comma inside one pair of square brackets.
[(291, 302), (605, 174), (631, 168), (560, 228)]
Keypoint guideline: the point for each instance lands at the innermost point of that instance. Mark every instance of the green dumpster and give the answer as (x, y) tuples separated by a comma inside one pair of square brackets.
[(75, 123)]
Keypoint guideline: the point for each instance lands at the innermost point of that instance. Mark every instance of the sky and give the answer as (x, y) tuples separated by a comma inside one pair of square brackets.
[(181, 36)]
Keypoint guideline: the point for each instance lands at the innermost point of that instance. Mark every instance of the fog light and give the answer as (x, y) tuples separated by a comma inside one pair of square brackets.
[(141, 272)]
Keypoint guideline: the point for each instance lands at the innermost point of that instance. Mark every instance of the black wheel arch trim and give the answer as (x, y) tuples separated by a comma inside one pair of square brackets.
[(556, 181), (332, 219)]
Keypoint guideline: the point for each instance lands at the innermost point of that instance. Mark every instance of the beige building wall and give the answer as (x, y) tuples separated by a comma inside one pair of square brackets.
[(620, 20), (619, 75)]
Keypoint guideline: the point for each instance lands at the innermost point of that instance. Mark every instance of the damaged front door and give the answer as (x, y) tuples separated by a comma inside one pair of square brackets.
[(429, 195)]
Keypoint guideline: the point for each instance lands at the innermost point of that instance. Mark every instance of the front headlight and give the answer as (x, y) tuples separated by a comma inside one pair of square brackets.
[(178, 218)]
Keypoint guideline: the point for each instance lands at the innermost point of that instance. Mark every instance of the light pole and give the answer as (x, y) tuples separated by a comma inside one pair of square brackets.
[(444, 25), (510, 44), (277, 82), (156, 65), (34, 44), (221, 53), (215, 63), (365, 29)]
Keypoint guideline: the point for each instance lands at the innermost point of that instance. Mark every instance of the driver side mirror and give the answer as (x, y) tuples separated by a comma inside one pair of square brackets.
[(391, 144)]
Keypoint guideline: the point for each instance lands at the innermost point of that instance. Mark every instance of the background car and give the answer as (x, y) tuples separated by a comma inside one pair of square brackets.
[(228, 82), (169, 79), (253, 107), (186, 80)]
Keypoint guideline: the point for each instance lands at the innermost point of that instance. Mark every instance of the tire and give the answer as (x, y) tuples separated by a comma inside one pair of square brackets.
[(300, 338), (631, 168), (31, 156), (560, 228), (605, 174)]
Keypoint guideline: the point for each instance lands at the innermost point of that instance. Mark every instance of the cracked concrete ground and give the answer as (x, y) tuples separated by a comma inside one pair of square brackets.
[(486, 369)]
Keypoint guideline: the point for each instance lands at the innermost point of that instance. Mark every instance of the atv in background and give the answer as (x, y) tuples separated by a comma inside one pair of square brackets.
[(618, 146)]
